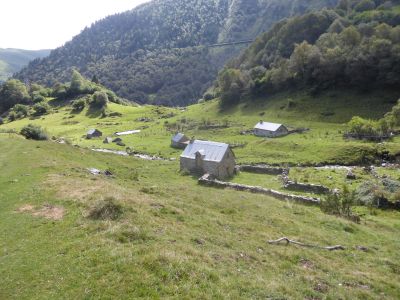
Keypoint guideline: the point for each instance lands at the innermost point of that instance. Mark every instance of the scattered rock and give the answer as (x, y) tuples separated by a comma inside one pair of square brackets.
[(350, 175), (121, 144), (306, 264), (144, 119), (199, 241), (108, 173), (117, 140), (94, 171), (108, 140), (362, 248)]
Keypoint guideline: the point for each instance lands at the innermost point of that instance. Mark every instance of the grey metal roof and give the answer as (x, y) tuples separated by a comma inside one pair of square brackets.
[(178, 137), (92, 131), (211, 151), (268, 126)]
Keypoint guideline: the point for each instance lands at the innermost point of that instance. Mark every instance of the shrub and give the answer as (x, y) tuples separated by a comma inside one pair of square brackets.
[(99, 100), (21, 111), (60, 91), (34, 132), (37, 97), (13, 92), (79, 104), (107, 209), (339, 204), (208, 96), (41, 108), (1, 121), (12, 116)]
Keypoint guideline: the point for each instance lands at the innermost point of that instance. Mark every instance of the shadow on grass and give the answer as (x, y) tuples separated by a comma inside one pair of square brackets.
[(94, 112), (57, 103)]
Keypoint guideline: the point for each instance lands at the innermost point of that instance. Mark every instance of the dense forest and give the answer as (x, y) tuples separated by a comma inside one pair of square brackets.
[(153, 54), (13, 60), (356, 46)]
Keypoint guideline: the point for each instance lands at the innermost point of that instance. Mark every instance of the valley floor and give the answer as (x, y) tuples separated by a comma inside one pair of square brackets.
[(174, 238)]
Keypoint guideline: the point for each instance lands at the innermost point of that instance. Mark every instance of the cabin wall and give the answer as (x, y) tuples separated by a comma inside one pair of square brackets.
[(265, 133)]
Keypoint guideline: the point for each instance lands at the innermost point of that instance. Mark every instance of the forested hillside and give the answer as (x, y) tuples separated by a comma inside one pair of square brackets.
[(151, 54), (355, 46), (13, 60)]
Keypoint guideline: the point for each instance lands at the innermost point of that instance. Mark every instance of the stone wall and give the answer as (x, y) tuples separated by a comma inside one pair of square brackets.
[(207, 180), (303, 187), (306, 187)]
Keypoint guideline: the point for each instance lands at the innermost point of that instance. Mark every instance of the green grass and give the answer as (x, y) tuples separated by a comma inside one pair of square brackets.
[(175, 239), (325, 116)]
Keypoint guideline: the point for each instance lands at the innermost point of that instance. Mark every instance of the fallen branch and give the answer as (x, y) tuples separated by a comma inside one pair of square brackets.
[(330, 248)]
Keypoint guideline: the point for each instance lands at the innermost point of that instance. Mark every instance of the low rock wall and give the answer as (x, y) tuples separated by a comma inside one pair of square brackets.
[(208, 181), (305, 187)]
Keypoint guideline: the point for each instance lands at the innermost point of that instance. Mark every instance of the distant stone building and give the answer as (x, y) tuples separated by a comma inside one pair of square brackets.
[(204, 157), (93, 133), (179, 141), (266, 129)]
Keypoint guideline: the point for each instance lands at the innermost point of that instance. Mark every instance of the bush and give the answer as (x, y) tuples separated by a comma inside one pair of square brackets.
[(34, 132), (12, 116), (99, 100), (106, 210), (1, 121), (21, 111), (79, 104), (208, 96), (37, 97), (41, 108), (60, 91), (339, 204), (13, 92)]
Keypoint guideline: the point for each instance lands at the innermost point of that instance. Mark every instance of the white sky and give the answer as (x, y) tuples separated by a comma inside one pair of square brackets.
[(47, 24)]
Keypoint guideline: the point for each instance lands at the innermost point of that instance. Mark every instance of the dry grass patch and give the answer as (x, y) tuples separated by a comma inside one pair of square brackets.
[(85, 190), (47, 211)]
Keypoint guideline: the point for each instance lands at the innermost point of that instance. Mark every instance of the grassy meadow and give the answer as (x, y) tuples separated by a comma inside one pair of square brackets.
[(172, 238), (325, 115)]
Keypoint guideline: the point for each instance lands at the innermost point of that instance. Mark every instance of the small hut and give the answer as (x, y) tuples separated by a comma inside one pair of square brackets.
[(205, 157), (179, 141), (266, 129), (93, 133)]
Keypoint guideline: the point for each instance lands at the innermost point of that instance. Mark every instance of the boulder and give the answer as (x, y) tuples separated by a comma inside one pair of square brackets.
[(350, 175), (107, 140)]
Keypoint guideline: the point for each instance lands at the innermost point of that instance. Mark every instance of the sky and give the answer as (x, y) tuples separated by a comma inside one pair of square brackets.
[(48, 24)]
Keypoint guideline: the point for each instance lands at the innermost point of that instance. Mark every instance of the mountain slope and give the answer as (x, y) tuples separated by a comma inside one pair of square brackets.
[(135, 54), (356, 48), (13, 60)]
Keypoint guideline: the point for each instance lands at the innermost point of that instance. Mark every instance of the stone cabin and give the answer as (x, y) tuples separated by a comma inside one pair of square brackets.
[(204, 157), (179, 141), (266, 129), (93, 133)]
